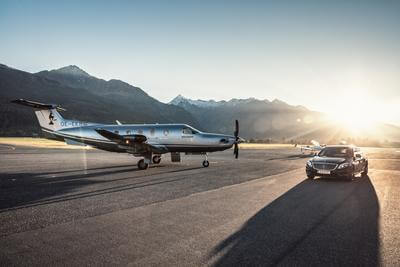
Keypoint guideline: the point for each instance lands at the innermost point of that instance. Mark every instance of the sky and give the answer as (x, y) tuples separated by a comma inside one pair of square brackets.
[(325, 55)]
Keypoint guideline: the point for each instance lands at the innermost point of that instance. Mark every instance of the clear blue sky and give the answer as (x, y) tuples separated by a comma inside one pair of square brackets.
[(311, 53)]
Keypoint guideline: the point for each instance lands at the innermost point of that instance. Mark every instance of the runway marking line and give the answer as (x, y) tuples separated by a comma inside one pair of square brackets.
[(8, 147)]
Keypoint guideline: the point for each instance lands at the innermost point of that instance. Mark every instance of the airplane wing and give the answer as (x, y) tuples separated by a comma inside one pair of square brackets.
[(123, 139), (137, 142)]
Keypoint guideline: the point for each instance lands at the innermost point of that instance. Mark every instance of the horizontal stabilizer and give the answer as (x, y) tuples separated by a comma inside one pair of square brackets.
[(37, 104)]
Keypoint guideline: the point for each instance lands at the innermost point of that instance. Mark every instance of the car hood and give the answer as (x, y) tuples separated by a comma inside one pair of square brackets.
[(328, 160)]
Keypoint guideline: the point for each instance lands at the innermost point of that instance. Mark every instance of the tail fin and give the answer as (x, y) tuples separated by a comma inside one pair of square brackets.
[(47, 114)]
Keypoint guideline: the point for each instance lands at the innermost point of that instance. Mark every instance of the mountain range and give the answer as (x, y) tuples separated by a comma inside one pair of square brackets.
[(89, 98), (85, 97)]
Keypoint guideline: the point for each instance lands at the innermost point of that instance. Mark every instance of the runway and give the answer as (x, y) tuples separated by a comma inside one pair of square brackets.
[(87, 207)]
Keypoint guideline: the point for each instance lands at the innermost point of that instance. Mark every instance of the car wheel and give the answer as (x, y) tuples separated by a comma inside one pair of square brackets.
[(206, 163), (365, 172)]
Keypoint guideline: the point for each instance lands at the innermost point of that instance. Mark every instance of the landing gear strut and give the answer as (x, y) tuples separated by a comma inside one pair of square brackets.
[(205, 162)]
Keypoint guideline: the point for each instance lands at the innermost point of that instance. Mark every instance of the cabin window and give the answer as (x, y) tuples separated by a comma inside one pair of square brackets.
[(152, 131), (187, 131), (128, 132), (117, 132), (166, 132), (140, 131)]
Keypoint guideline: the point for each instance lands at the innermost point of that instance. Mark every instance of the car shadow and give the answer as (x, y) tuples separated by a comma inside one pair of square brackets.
[(321, 222)]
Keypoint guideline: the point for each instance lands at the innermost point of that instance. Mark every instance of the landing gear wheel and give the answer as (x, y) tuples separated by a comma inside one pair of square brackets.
[(156, 159), (365, 172), (310, 176), (206, 163), (142, 165)]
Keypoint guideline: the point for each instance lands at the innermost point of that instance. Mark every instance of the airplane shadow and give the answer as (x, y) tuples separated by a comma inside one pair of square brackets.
[(31, 189), (320, 222)]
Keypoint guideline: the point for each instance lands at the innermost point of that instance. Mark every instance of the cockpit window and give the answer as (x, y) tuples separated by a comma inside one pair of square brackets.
[(189, 131), (335, 152)]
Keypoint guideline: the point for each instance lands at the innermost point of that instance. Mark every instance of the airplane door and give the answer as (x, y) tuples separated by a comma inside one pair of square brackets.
[(187, 136)]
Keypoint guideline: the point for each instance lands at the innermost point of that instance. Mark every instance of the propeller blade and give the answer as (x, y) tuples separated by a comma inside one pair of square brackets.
[(236, 129), (236, 151)]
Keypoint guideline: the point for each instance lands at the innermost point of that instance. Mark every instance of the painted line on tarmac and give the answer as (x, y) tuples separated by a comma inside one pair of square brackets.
[(6, 147)]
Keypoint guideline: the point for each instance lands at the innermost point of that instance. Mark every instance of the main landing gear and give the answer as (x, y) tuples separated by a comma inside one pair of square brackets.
[(156, 159), (143, 164), (205, 162)]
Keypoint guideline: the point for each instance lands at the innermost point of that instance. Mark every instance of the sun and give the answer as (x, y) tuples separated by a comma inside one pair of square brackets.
[(358, 114)]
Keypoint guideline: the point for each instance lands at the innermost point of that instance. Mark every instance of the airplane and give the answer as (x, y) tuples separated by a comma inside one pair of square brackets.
[(314, 149), (148, 141)]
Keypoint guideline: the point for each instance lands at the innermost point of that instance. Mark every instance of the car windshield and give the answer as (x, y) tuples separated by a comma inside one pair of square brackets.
[(335, 152)]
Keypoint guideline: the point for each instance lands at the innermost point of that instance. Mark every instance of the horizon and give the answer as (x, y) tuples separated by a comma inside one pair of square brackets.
[(198, 99), (320, 55)]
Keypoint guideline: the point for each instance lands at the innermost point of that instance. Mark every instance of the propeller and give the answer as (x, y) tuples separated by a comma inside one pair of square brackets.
[(237, 138)]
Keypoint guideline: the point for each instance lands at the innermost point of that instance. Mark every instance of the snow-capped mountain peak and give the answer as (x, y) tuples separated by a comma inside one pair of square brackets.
[(181, 100), (72, 70)]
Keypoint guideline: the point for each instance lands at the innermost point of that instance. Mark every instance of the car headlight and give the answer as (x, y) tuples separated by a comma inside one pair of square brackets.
[(344, 165), (309, 163)]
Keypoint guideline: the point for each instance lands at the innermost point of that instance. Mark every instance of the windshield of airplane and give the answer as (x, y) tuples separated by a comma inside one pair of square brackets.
[(335, 152)]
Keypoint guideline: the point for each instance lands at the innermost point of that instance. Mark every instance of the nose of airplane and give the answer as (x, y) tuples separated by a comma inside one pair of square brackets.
[(241, 140)]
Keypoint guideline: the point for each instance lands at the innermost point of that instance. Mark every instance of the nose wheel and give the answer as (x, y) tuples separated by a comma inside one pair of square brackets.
[(205, 162)]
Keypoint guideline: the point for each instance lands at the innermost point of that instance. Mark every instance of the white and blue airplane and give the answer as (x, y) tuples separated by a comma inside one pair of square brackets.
[(148, 141)]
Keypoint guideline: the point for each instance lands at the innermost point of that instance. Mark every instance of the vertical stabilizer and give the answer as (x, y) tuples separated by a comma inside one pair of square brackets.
[(49, 118)]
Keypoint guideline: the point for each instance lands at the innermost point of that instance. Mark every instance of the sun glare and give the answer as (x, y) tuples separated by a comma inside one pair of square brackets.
[(357, 114)]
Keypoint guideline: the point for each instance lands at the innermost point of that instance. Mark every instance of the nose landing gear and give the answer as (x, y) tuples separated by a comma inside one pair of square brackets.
[(205, 162)]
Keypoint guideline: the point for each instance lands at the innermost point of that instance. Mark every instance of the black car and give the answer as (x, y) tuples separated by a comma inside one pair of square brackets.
[(341, 160)]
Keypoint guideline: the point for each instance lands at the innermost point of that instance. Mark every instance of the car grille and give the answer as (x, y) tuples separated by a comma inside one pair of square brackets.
[(325, 166)]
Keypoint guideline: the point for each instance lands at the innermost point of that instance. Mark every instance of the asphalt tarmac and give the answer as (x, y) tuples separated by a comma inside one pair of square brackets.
[(87, 207)]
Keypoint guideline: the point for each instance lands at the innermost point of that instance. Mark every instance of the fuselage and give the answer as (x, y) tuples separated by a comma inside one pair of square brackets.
[(168, 137)]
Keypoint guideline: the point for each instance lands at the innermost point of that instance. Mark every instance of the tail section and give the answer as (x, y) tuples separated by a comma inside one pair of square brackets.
[(48, 116), (50, 119)]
